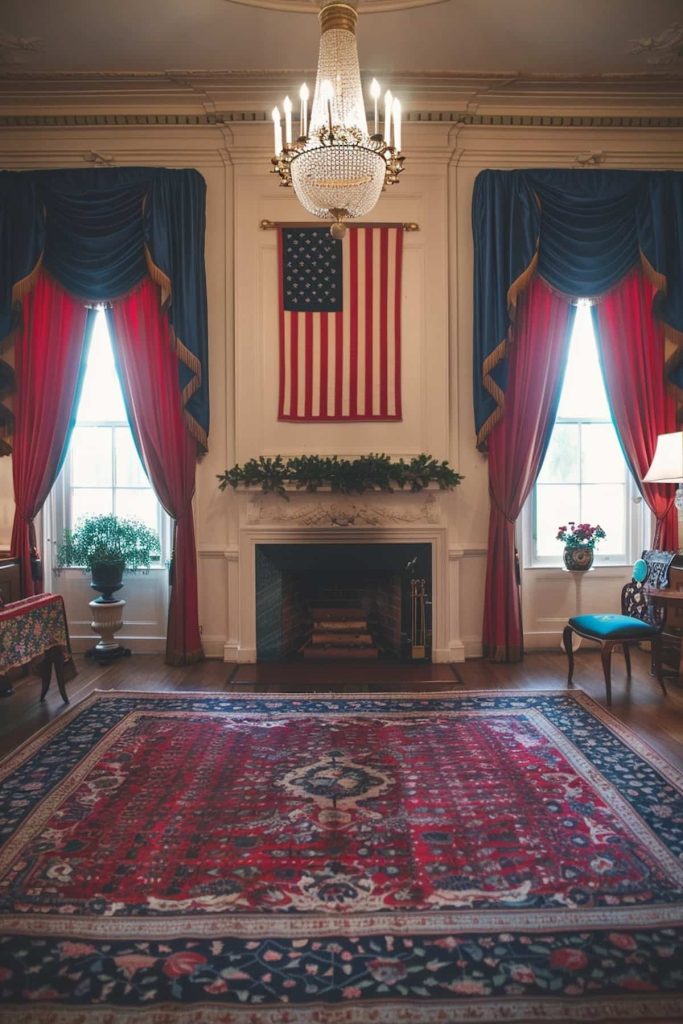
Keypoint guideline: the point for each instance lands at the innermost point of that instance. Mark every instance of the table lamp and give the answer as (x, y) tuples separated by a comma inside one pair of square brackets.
[(667, 463), (667, 468)]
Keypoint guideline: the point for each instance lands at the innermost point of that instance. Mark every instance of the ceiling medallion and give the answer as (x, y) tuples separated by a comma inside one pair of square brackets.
[(337, 168)]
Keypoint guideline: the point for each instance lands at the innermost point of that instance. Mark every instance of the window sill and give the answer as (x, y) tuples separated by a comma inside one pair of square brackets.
[(77, 570), (605, 570)]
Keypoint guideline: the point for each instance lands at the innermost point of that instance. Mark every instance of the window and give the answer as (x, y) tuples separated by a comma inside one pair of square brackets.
[(584, 476), (102, 471)]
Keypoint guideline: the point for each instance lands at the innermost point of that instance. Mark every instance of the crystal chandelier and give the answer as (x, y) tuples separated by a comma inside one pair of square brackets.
[(336, 167)]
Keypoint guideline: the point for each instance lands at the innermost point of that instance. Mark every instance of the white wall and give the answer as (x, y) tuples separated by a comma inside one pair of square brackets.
[(436, 190)]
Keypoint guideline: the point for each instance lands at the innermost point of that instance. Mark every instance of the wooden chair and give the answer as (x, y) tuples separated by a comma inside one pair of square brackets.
[(637, 623)]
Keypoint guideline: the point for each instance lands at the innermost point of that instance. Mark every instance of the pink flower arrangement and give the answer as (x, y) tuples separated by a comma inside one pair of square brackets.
[(577, 535)]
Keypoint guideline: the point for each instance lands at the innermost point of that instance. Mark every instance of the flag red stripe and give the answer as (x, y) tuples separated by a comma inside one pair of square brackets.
[(308, 393), (294, 361), (324, 320), (339, 363), (353, 314), (368, 323), (383, 299)]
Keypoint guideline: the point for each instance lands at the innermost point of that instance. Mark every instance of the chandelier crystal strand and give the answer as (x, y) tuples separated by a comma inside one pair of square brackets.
[(337, 169)]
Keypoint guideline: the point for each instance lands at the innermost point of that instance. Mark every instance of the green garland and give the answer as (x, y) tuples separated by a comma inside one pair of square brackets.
[(348, 476)]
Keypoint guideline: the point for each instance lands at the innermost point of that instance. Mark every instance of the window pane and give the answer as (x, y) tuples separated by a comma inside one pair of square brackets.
[(138, 504), (556, 504), (585, 477), (602, 460), (101, 398), (129, 471), (91, 457), (605, 504), (561, 463), (103, 474), (90, 501), (583, 390)]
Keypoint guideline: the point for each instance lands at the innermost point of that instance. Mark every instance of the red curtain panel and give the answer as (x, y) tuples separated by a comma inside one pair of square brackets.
[(48, 353), (517, 445), (149, 377), (631, 345)]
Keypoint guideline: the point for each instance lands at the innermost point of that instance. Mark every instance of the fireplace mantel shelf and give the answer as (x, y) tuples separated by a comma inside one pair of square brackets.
[(292, 489)]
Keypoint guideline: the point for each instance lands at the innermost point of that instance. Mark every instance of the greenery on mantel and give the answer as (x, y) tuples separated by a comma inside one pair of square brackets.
[(347, 476)]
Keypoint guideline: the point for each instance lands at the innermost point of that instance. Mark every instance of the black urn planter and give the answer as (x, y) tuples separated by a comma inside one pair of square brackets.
[(107, 577)]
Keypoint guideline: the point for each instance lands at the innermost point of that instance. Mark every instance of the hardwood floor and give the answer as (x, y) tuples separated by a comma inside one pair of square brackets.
[(641, 704)]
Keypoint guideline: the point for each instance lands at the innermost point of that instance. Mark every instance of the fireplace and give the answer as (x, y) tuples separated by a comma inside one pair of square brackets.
[(359, 601)]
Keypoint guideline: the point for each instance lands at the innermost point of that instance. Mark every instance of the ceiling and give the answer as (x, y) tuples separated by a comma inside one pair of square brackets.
[(536, 37)]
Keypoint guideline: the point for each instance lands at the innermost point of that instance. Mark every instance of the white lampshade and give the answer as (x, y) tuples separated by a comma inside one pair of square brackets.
[(667, 464)]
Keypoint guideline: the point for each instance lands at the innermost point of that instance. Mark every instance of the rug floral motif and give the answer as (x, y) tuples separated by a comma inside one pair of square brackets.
[(339, 860)]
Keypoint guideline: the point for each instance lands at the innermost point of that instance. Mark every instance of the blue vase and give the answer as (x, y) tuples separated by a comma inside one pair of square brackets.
[(579, 558)]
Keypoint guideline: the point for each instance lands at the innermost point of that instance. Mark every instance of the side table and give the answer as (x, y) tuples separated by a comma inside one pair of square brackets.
[(32, 630), (667, 599)]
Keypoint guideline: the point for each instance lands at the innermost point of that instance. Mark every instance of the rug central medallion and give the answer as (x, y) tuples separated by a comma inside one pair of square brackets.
[(336, 780)]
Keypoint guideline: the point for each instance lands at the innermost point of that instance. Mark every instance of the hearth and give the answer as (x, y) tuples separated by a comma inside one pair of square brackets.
[(357, 601)]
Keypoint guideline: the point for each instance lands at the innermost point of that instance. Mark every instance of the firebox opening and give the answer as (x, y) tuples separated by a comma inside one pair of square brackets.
[(360, 601)]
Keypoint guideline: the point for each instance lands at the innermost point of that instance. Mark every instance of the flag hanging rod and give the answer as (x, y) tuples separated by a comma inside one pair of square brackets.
[(270, 225)]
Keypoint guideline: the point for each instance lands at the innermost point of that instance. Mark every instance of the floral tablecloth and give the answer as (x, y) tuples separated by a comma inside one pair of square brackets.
[(29, 628)]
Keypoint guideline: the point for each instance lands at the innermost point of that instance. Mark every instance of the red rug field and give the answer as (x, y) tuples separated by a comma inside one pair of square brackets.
[(210, 859)]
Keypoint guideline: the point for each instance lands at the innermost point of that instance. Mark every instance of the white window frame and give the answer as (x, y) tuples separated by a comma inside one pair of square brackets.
[(637, 525), (58, 506)]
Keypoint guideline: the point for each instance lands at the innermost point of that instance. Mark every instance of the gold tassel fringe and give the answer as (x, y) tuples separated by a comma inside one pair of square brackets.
[(23, 287)]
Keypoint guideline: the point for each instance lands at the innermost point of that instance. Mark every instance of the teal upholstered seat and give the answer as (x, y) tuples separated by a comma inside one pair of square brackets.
[(612, 630), (613, 627)]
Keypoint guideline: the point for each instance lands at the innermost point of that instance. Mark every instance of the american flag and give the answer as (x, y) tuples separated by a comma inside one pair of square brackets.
[(340, 324)]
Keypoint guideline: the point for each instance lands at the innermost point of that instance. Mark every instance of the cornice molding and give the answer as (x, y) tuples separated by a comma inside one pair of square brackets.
[(256, 118), (206, 97)]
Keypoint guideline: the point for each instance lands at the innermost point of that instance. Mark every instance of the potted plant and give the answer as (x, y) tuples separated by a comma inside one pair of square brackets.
[(106, 545), (579, 541)]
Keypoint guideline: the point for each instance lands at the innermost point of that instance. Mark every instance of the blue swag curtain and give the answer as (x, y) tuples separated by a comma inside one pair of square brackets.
[(98, 232), (581, 231)]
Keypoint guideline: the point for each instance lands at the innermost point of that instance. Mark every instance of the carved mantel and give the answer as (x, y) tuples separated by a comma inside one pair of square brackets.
[(344, 510)]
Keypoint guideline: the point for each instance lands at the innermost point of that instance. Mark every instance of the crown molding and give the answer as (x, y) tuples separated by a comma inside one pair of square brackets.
[(204, 97), (258, 119)]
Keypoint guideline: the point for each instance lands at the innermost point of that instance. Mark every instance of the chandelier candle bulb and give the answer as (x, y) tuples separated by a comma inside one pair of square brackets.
[(303, 96), (396, 115), (278, 131), (388, 103), (375, 91), (287, 105)]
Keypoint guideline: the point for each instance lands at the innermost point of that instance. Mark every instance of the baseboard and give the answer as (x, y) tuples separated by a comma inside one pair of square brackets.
[(243, 655), (456, 652), (214, 646), (137, 644), (543, 640), (473, 647)]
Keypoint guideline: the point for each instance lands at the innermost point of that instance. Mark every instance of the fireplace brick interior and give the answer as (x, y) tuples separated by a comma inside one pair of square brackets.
[(293, 580)]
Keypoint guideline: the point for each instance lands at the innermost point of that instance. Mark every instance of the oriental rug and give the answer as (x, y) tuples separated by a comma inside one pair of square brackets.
[(221, 859)]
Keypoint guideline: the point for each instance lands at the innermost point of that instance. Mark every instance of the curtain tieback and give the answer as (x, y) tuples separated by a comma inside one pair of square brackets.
[(499, 508)]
